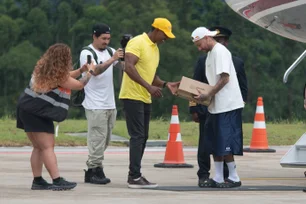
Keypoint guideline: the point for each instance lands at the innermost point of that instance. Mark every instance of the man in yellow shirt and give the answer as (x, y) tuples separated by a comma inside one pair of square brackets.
[(139, 83)]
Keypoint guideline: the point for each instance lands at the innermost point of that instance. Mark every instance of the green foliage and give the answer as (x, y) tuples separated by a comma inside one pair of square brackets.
[(29, 27), (17, 65), (37, 28), (9, 33)]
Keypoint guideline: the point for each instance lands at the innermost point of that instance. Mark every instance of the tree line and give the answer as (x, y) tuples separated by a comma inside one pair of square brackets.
[(29, 27)]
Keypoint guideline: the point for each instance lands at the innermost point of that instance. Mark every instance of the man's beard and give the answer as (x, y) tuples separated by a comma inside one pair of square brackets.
[(102, 49)]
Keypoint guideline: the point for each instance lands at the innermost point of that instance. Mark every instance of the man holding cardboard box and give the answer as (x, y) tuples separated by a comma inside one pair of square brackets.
[(223, 129), (199, 112)]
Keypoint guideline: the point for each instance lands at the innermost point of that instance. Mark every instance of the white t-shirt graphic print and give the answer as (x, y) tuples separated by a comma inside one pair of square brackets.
[(99, 91), (218, 61)]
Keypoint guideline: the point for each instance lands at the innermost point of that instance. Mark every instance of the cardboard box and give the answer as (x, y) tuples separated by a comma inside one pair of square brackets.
[(188, 89)]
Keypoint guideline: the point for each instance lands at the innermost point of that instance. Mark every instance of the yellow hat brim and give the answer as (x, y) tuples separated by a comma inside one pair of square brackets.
[(169, 34)]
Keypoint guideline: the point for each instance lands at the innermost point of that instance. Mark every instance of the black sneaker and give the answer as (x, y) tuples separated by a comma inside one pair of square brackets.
[(202, 183), (207, 183), (62, 185), (42, 184), (141, 182), (96, 176), (231, 184), (87, 176)]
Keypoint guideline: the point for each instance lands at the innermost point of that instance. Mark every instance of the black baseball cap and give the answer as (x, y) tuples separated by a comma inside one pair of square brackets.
[(100, 28), (222, 31)]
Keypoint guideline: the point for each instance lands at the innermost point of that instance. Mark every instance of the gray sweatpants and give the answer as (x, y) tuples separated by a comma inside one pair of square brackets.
[(100, 125)]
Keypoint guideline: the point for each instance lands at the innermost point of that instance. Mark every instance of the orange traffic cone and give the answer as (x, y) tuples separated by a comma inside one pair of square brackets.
[(174, 157), (259, 142)]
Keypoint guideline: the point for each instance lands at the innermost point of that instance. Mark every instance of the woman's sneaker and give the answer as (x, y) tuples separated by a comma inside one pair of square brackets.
[(41, 184), (61, 185), (141, 182)]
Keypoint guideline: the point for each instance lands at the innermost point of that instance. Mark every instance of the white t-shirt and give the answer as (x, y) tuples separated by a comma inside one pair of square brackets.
[(99, 91), (218, 61)]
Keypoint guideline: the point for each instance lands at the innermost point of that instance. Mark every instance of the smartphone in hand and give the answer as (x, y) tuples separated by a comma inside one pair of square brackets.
[(88, 59)]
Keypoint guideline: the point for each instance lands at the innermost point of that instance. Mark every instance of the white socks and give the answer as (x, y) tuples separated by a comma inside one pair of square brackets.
[(219, 172), (232, 171)]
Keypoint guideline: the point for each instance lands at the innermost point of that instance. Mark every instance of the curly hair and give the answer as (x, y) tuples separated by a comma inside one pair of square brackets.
[(52, 68)]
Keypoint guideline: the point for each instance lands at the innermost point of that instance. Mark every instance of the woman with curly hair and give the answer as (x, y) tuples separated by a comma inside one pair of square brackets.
[(48, 95)]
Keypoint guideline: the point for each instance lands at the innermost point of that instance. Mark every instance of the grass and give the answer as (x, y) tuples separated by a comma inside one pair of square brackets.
[(278, 134)]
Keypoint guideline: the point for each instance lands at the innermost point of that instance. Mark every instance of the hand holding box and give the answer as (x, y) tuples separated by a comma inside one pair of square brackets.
[(189, 88)]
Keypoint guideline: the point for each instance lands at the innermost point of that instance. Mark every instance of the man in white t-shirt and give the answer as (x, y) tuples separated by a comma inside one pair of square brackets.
[(224, 126), (99, 102)]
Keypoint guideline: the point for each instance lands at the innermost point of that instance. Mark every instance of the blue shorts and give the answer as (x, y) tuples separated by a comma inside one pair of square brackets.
[(223, 133)]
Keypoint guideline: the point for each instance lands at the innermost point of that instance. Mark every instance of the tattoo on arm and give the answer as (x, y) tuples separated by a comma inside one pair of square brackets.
[(100, 68), (220, 84), (85, 79)]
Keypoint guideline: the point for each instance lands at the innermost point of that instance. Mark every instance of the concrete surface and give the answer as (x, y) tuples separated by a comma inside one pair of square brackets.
[(257, 170)]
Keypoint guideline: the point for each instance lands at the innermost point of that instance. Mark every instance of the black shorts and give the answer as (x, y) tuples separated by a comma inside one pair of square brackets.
[(32, 123)]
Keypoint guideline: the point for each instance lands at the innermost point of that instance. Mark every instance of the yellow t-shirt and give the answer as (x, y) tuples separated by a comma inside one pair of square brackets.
[(148, 54)]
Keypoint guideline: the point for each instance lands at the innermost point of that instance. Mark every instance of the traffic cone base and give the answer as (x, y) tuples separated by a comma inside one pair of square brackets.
[(174, 156), (259, 142), (259, 150), (164, 165)]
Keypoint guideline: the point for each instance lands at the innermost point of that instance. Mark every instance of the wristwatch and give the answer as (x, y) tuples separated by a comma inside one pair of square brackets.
[(165, 84)]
